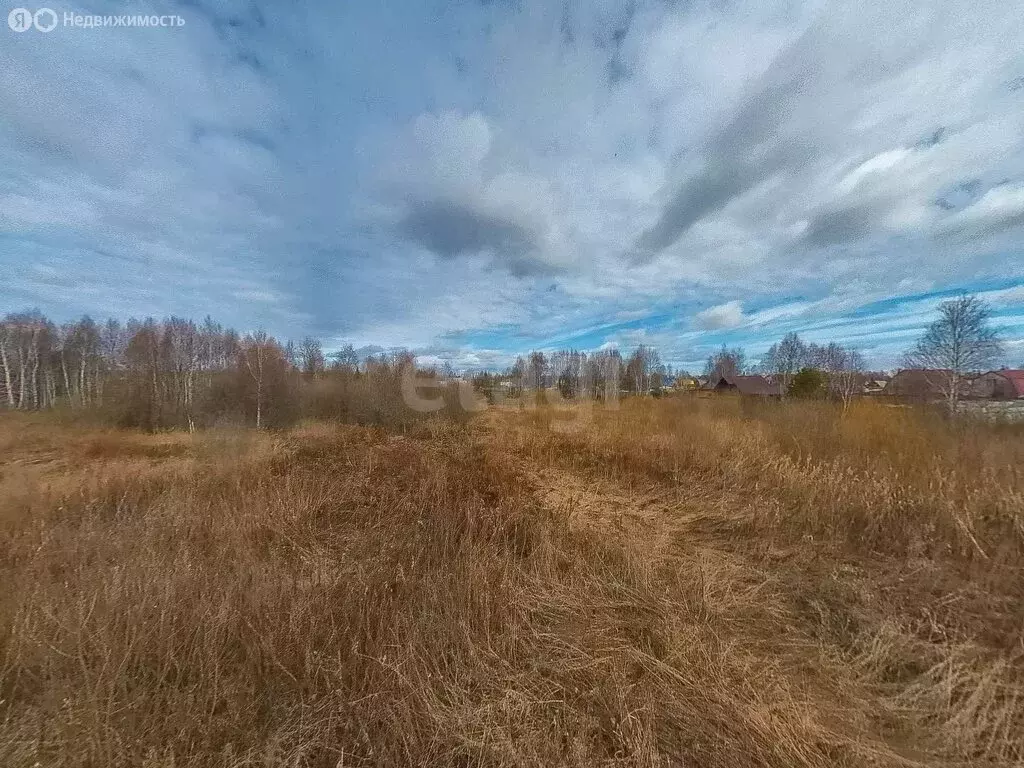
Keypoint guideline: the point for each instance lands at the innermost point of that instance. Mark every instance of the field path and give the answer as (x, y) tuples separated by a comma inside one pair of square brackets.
[(754, 595), (603, 504), (670, 519)]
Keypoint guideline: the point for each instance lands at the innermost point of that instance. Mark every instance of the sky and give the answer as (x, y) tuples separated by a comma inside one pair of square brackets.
[(475, 179)]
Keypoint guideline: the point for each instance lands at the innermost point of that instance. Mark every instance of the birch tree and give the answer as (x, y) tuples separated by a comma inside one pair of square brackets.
[(254, 356), (844, 369), (7, 362), (960, 342), (726, 362), (311, 357), (785, 358)]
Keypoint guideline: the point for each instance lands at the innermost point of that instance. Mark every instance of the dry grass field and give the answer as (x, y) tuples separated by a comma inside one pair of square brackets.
[(679, 582)]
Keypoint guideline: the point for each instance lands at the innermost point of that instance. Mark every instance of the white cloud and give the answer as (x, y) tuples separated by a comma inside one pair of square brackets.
[(728, 315), (1004, 297), (1000, 207), (879, 164)]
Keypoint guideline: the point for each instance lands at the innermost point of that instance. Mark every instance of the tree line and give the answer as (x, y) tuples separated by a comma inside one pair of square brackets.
[(177, 373), (575, 373), (597, 375), (958, 344), (180, 374)]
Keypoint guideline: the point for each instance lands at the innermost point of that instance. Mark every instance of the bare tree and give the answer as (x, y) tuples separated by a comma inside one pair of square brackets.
[(960, 342), (844, 368), (113, 341), (346, 359), (255, 351), (608, 367), (537, 371), (311, 357), (25, 349), (785, 358), (726, 362), (568, 371), (145, 377), (642, 365), (7, 361), (517, 377), (181, 352)]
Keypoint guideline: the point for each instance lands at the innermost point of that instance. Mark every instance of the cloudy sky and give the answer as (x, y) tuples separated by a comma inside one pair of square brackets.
[(476, 179)]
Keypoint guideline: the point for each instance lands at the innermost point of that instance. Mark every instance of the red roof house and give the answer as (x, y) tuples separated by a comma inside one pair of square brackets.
[(1007, 384)]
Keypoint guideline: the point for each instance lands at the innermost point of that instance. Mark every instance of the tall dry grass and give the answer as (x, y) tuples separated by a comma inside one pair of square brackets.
[(885, 479), (341, 596), (898, 537)]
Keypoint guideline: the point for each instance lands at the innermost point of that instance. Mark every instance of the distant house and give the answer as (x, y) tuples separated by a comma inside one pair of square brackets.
[(687, 383), (1007, 384), (755, 386), (923, 384), (930, 384), (875, 386)]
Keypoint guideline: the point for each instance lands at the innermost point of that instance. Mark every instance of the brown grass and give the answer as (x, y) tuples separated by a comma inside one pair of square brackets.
[(677, 582)]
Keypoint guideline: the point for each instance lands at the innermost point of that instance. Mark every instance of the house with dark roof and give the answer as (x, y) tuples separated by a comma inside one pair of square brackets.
[(874, 386), (1005, 384), (923, 384), (755, 386)]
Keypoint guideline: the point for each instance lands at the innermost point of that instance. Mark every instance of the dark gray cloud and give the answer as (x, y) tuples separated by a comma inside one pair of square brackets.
[(448, 191), (450, 229), (744, 152), (842, 225), (793, 117), (708, 192)]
